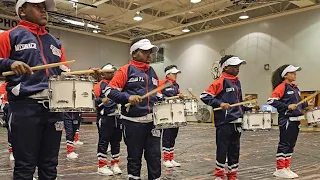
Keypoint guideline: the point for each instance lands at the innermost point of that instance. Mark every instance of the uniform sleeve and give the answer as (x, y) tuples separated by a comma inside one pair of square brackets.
[(66, 67), (209, 95), (114, 89), (275, 97), (5, 51)]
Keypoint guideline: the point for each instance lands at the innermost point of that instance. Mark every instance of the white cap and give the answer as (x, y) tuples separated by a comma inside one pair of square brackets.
[(289, 69), (233, 61), (50, 4), (173, 70), (107, 67), (143, 44)]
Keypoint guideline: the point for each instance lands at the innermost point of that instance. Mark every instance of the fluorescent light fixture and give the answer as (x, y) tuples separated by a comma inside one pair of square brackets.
[(79, 23), (96, 31), (244, 15), (195, 1), (185, 30), (137, 16)]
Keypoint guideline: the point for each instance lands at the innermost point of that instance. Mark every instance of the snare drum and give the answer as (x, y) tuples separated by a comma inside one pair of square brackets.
[(71, 94), (191, 107), (256, 121), (169, 114), (313, 115)]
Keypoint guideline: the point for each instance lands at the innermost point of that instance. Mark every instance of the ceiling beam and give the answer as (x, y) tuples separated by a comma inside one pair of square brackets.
[(212, 18), (155, 3), (239, 23), (76, 31), (98, 3), (178, 12)]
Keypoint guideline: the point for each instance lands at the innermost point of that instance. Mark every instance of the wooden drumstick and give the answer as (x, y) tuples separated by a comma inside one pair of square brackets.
[(193, 96), (153, 92), (86, 72), (238, 104), (172, 98), (308, 98), (104, 100), (35, 68)]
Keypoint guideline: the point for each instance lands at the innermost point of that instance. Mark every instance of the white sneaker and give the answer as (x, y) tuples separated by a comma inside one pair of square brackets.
[(174, 163), (34, 179), (283, 173), (292, 173), (11, 157), (168, 164), (72, 156), (218, 178), (116, 170), (105, 171), (78, 143)]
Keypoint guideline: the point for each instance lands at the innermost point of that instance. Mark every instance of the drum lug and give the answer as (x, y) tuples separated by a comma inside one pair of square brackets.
[(50, 94), (74, 94)]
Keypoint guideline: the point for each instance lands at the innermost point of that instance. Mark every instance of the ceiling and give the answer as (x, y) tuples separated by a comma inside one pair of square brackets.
[(163, 20)]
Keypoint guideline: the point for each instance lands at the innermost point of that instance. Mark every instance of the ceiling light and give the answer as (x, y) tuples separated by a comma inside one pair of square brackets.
[(79, 23), (185, 30), (137, 16), (195, 1), (96, 31), (244, 15)]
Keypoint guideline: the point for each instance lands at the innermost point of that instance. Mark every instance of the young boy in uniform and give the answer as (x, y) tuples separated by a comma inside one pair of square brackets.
[(222, 92), (129, 84), (35, 132)]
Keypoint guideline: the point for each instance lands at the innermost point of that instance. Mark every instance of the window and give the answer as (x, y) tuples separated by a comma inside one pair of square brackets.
[(158, 57)]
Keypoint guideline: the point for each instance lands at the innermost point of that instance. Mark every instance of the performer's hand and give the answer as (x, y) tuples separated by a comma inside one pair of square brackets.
[(135, 99), (248, 97), (292, 107), (181, 95), (225, 105), (19, 68), (311, 102)]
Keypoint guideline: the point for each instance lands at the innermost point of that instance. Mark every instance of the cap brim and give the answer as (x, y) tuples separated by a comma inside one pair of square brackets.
[(294, 69), (154, 48), (176, 71), (238, 62), (50, 4)]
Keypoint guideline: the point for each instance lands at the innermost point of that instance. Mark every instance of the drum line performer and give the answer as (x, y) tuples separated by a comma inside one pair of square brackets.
[(35, 132), (109, 126), (169, 135), (128, 85), (222, 92), (285, 97)]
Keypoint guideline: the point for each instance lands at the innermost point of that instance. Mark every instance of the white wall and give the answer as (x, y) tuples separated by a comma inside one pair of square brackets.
[(291, 39), (90, 51)]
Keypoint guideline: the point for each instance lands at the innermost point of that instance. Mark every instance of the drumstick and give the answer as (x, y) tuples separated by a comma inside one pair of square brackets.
[(104, 100), (308, 98), (86, 72), (153, 91), (172, 98), (238, 104), (192, 95), (35, 68)]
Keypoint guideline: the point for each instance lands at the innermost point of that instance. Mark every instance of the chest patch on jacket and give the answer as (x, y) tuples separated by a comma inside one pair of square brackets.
[(21, 47)]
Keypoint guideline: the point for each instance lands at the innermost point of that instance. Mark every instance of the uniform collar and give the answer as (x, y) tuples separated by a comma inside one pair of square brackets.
[(34, 28)]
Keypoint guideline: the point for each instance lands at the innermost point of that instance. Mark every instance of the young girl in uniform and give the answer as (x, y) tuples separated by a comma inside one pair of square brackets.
[(285, 97)]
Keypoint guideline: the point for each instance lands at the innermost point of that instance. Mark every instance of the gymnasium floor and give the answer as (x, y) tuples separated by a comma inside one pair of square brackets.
[(195, 150)]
